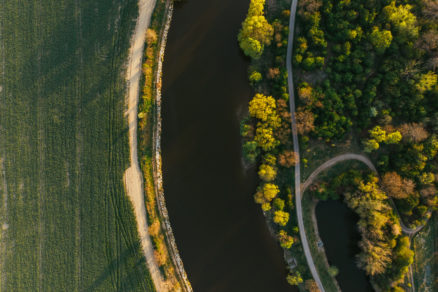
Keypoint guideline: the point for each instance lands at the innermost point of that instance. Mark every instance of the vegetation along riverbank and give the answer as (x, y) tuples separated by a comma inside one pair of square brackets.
[(366, 83), (149, 138)]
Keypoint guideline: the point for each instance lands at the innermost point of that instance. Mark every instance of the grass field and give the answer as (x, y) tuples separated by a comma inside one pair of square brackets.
[(426, 257), (66, 223)]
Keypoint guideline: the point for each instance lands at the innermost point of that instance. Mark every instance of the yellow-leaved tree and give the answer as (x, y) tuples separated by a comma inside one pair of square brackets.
[(256, 31)]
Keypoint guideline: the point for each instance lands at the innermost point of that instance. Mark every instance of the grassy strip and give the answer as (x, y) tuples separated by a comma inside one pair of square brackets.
[(65, 147), (147, 123), (318, 255), (425, 264)]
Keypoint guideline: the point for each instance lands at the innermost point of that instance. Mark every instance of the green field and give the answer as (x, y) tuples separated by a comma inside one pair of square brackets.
[(65, 221), (425, 264)]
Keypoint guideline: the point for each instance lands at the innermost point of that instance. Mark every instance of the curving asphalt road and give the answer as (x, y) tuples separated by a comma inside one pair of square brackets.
[(290, 83), (333, 161)]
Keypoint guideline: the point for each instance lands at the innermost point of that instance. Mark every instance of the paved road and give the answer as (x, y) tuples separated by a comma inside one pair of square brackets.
[(303, 236), (333, 161)]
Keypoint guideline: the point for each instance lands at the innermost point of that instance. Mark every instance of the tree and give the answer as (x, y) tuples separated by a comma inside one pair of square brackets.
[(375, 257), (427, 81), (381, 39), (267, 172), (273, 73), (287, 158), (305, 93), (266, 193), (305, 121), (396, 186), (378, 134), (263, 108), (427, 178), (393, 138), (265, 138), (430, 9), (413, 132), (250, 151), (256, 32), (371, 145), (432, 63), (151, 37), (251, 47), (402, 19), (285, 239), (428, 41), (311, 286), (255, 77), (294, 278), (278, 204), (333, 271), (281, 218)]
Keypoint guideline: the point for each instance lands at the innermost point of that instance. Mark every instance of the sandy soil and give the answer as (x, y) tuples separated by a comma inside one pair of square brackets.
[(133, 177)]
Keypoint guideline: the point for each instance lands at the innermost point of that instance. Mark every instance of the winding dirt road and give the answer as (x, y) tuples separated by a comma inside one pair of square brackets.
[(133, 177)]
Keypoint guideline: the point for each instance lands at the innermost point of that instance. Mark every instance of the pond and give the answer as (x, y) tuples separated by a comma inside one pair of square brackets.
[(338, 231), (221, 233)]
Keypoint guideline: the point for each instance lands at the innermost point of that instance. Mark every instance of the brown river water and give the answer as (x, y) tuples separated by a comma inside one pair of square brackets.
[(221, 233)]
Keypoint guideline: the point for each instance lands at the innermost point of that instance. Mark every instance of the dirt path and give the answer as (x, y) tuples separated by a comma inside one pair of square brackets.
[(133, 177)]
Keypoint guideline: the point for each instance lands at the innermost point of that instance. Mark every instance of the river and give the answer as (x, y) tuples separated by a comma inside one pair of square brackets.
[(338, 231), (221, 233)]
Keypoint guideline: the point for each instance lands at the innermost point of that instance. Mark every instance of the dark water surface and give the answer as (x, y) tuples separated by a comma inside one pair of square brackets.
[(337, 229), (221, 233)]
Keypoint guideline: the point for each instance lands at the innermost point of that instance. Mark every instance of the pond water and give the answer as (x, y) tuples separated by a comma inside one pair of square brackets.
[(220, 232), (337, 229)]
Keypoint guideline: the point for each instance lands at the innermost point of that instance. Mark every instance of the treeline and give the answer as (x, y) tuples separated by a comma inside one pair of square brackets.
[(266, 132)]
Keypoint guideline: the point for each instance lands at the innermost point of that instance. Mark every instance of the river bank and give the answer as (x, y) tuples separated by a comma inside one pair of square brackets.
[(166, 252)]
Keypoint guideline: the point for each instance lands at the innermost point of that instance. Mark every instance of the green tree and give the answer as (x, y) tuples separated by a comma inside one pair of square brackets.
[(250, 151), (255, 77), (278, 204), (371, 145), (381, 39), (333, 271)]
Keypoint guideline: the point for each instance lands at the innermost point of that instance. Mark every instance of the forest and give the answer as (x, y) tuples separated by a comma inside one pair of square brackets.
[(365, 71)]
